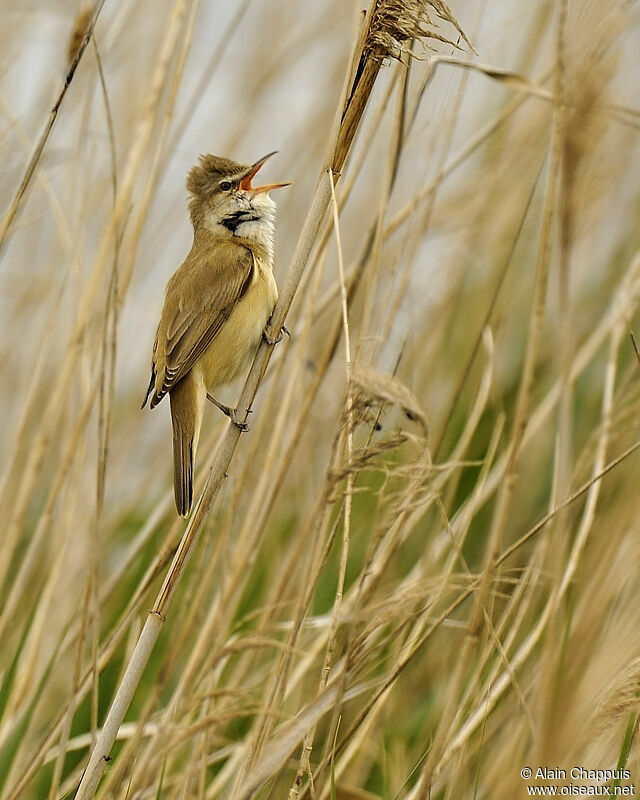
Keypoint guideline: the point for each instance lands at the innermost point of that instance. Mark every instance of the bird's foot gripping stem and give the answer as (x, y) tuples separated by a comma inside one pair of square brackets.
[(230, 412), (270, 340)]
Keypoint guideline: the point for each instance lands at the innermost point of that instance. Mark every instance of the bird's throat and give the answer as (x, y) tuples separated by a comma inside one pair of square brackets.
[(251, 229), (233, 221)]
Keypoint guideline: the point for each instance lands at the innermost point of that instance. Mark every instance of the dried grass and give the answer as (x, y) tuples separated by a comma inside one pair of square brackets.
[(418, 572)]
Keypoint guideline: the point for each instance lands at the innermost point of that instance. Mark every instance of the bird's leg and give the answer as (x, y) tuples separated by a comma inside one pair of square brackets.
[(230, 412)]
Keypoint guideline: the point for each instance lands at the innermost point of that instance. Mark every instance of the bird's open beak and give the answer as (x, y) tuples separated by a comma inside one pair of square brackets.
[(245, 183)]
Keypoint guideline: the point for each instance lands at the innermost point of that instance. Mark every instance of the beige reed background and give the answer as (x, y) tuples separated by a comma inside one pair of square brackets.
[(422, 573)]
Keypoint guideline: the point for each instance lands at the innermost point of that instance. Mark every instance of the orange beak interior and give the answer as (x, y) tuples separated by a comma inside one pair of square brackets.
[(245, 183)]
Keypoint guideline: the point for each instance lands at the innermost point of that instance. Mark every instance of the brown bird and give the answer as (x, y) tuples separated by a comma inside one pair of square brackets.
[(216, 304)]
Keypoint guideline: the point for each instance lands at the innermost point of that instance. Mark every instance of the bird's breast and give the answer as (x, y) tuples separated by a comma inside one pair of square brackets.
[(237, 340)]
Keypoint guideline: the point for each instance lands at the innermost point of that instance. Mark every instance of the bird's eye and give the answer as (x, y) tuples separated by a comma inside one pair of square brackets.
[(225, 186)]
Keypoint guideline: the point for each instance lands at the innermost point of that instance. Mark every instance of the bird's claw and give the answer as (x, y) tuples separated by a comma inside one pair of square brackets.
[(230, 412), (270, 340), (243, 426)]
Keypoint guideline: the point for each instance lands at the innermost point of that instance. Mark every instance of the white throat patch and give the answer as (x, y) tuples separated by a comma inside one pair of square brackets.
[(259, 227), (261, 231)]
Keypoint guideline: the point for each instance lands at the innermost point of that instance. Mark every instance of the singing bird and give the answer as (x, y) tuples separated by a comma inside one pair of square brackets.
[(217, 304)]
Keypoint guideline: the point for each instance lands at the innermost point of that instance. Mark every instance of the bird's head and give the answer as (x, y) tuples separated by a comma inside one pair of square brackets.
[(224, 199)]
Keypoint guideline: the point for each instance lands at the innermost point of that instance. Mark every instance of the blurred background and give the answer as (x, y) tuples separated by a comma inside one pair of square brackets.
[(489, 234)]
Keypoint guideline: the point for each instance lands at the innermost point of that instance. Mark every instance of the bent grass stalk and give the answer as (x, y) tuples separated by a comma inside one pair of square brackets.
[(20, 195)]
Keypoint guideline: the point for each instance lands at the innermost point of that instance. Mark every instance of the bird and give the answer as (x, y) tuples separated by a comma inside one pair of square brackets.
[(217, 304)]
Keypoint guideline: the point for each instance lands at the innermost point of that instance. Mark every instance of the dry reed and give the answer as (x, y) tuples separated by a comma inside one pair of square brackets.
[(415, 575)]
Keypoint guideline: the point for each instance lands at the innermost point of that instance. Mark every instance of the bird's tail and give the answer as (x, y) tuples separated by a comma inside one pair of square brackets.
[(187, 403)]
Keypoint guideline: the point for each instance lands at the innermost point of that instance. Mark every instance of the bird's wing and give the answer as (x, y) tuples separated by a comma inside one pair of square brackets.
[(199, 298)]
